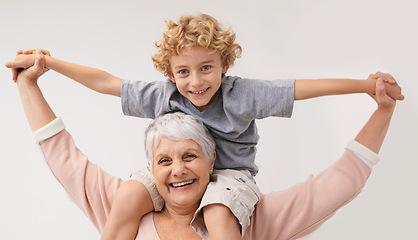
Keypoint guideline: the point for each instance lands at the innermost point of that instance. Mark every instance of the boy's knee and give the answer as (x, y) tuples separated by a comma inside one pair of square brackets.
[(221, 222), (219, 211), (133, 192)]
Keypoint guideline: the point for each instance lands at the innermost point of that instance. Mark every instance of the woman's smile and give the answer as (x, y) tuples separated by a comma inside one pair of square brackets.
[(182, 185), (181, 171)]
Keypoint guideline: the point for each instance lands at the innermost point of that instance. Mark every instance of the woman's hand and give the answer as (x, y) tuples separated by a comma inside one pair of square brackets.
[(391, 86), (31, 74), (25, 59), (384, 102), (374, 132), (36, 108)]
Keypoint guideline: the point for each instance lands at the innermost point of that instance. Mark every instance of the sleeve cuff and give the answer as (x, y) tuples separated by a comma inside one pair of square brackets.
[(366, 155), (47, 131)]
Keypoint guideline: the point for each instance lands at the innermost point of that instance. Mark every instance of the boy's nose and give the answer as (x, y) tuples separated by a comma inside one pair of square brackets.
[(196, 81)]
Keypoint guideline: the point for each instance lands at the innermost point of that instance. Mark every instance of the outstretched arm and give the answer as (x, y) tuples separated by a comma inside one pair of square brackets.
[(88, 186), (92, 78), (308, 88), (37, 110), (305, 206), (374, 132)]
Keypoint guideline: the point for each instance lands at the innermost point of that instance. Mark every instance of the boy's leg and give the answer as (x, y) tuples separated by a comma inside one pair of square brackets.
[(227, 205), (221, 223), (132, 201)]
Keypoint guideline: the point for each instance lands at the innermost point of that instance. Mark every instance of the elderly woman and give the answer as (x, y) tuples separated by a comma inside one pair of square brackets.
[(181, 155)]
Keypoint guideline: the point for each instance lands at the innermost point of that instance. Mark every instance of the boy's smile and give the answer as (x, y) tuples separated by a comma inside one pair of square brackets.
[(197, 73)]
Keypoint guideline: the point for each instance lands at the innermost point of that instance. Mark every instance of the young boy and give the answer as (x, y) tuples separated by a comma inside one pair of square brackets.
[(195, 54)]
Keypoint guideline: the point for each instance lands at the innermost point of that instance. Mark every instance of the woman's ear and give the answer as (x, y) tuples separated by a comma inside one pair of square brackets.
[(213, 160), (151, 168)]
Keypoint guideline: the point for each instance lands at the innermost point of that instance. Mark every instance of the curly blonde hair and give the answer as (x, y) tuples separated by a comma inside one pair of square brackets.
[(190, 31)]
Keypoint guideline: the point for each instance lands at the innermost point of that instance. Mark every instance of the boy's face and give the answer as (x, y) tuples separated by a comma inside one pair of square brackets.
[(197, 74)]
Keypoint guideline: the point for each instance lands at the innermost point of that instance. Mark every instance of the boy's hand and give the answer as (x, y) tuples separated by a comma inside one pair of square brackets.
[(25, 59), (392, 89)]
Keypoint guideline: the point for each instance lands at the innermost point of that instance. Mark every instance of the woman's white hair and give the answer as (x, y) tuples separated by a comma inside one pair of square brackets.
[(178, 126)]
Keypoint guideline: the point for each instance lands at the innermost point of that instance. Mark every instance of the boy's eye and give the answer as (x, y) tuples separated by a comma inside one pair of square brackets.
[(183, 71), (205, 68)]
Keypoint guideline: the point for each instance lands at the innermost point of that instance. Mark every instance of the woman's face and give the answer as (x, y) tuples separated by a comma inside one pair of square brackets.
[(181, 171)]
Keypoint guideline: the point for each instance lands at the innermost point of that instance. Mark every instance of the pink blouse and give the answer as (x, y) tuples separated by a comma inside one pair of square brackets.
[(286, 214)]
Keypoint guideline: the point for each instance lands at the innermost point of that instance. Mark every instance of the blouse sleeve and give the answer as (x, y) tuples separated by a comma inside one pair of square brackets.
[(299, 210), (88, 186)]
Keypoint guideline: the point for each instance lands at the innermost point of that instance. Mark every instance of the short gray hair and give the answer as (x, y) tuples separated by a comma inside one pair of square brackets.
[(178, 126)]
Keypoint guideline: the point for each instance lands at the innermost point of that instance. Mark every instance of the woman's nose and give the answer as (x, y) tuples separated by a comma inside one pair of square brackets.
[(178, 168)]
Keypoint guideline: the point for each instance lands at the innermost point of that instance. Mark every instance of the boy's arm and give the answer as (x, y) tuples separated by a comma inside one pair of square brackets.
[(95, 79), (307, 88), (92, 78)]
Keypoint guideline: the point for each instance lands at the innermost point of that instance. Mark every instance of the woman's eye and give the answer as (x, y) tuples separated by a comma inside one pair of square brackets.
[(190, 157), (205, 68), (164, 161)]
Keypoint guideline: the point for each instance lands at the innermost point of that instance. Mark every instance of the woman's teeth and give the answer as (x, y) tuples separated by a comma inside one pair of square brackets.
[(182, 183)]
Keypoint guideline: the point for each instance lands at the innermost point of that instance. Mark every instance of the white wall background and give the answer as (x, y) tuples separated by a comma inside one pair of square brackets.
[(281, 39)]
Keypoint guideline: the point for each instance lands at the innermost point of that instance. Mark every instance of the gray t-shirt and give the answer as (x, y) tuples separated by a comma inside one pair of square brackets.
[(230, 118)]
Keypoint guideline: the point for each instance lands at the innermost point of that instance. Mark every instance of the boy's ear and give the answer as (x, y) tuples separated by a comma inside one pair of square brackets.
[(171, 76), (172, 79), (225, 69)]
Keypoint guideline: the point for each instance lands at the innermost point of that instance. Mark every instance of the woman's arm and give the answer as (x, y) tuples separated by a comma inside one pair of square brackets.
[(299, 210), (37, 110), (374, 132), (89, 187), (86, 184)]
